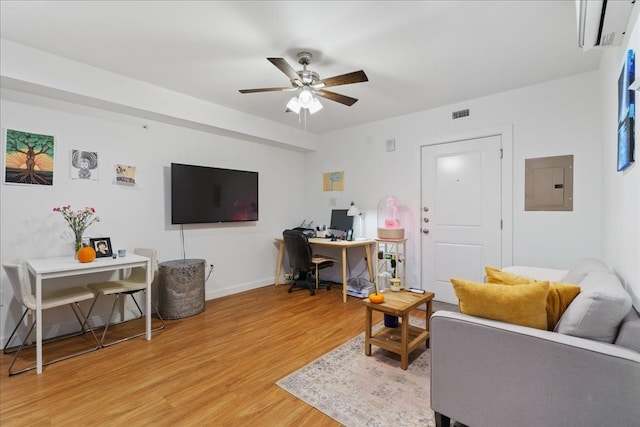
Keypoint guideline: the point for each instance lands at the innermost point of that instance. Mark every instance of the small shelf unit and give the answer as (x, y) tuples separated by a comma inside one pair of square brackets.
[(391, 258)]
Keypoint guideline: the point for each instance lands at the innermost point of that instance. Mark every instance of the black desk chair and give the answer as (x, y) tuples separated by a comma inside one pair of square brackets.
[(304, 264)]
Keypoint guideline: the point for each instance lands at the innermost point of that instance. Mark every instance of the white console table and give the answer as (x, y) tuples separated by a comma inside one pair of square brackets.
[(51, 268)]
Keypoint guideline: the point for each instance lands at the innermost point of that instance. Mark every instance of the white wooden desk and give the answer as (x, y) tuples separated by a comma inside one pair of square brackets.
[(338, 244), (51, 268)]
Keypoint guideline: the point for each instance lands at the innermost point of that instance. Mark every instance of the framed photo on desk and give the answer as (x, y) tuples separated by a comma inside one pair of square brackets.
[(102, 246)]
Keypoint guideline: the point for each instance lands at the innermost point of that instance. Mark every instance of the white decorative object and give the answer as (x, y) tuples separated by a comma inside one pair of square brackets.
[(389, 224)]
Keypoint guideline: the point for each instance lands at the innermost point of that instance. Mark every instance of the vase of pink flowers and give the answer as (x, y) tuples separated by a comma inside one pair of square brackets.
[(79, 220)]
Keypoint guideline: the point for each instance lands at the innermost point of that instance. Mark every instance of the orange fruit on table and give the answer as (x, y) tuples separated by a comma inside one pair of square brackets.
[(86, 254), (376, 298)]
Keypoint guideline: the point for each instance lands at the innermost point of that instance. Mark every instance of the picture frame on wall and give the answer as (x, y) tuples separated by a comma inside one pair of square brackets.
[(626, 113), (84, 165), (626, 144), (28, 158), (102, 246)]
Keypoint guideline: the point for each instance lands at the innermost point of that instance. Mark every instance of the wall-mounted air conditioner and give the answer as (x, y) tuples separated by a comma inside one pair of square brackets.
[(602, 23)]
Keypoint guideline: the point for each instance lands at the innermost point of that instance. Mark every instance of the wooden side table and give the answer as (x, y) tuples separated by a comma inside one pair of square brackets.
[(406, 338)]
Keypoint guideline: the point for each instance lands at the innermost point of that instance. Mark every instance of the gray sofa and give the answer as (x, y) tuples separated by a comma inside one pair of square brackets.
[(586, 372)]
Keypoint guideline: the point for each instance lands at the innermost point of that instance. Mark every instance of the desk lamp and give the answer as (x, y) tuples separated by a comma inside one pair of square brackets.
[(354, 211)]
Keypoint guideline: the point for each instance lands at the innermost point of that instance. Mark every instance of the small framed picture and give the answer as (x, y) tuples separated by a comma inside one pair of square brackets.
[(102, 245)]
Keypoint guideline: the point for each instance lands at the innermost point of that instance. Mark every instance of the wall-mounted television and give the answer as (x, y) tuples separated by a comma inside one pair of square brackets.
[(202, 194)]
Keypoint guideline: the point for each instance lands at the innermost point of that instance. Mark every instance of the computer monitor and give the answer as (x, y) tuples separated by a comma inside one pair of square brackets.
[(340, 220)]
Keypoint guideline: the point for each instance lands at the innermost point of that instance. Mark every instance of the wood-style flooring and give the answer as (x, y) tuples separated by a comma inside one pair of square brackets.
[(216, 368)]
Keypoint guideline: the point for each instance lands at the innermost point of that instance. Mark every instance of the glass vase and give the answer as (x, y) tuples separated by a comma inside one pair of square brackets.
[(77, 245)]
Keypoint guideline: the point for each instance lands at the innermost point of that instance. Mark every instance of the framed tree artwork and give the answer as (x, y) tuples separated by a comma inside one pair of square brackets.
[(28, 158)]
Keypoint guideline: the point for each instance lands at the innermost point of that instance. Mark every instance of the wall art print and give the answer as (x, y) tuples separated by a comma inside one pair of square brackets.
[(84, 165), (626, 113), (125, 174), (28, 158), (333, 181)]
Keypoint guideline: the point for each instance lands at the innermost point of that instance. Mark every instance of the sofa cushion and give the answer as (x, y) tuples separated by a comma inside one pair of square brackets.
[(538, 273), (629, 335), (522, 305), (583, 267), (597, 311), (558, 299)]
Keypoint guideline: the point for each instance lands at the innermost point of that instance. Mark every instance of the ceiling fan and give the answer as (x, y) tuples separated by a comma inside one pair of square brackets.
[(308, 85)]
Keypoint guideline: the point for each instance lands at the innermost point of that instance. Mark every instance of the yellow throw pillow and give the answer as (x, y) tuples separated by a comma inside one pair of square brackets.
[(559, 297), (521, 305), (495, 275)]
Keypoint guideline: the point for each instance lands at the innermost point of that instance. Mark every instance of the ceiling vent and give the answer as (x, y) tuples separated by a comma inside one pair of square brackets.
[(460, 114), (602, 23)]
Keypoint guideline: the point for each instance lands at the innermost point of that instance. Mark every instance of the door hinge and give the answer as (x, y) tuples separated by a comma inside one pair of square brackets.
[(501, 225), (501, 153)]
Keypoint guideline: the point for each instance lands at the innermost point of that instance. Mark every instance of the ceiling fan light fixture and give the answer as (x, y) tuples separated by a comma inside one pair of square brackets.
[(315, 106), (305, 98), (294, 105), (307, 84)]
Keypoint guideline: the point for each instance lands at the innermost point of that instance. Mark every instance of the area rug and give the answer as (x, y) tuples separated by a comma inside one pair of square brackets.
[(359, 390)]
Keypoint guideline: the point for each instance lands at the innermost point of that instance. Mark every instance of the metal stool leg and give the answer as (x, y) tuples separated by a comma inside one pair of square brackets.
[(162, 326), (82, 322)]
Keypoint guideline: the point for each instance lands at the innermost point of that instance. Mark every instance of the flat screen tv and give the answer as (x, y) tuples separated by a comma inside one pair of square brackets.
[(201, 194)]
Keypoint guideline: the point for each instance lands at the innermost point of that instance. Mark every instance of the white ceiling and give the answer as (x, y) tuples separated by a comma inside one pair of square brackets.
[(417, 54)]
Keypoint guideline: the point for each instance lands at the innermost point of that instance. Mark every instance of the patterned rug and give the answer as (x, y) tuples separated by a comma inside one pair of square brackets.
[(359, 390)]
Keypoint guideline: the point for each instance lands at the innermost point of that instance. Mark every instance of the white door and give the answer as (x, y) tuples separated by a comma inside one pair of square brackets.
[(461, 212)]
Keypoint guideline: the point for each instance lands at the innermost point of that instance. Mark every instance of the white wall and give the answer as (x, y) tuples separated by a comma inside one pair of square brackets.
[(621, 201), (244, 254), (556, 118), (30, 70), (576, 115)]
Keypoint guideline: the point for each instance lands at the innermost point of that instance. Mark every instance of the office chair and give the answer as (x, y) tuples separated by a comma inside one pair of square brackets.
[(22, 292), (303, 263), (130, 286)]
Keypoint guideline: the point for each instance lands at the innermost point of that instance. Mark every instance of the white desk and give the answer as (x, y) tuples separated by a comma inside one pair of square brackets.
[(338, 244), (51, 268)]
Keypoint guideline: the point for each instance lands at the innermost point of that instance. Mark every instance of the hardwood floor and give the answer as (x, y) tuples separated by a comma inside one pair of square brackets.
[(216, 368)]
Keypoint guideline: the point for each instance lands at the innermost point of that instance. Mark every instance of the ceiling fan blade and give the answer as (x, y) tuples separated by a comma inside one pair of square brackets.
[(345, 79), (343, 99), (265, 89), (286, 68)]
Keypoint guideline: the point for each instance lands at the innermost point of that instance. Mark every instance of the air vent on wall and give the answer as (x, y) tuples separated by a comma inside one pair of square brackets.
[(459, 114)]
